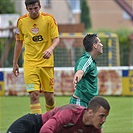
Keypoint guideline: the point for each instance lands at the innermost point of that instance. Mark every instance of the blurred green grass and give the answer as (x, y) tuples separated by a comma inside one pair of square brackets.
[(120, 119)]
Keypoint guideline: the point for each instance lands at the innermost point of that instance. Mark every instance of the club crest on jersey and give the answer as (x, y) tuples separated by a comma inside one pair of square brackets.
[(35, 29)]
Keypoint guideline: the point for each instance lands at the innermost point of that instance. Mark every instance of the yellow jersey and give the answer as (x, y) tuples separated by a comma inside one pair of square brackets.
[(37, 35)]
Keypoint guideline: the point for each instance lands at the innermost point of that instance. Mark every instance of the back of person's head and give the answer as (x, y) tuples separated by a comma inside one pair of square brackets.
[(96, 102), (88, 41), (31, 2)]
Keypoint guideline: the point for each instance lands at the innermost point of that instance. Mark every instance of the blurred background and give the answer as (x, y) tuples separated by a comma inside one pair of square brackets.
[(112, 20)]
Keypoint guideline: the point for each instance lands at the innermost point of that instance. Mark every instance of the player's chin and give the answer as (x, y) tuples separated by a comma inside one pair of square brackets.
[(34, 16), (101, 51), (98, 126)]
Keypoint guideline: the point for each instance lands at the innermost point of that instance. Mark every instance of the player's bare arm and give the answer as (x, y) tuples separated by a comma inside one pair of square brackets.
[(48, 52), (17, 51), (77, 77)]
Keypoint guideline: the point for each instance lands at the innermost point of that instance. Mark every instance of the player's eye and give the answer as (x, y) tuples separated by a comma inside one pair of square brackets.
[(36, 8), (102, 116), (30, 9)]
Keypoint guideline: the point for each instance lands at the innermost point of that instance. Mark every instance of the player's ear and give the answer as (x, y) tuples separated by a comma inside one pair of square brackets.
[(90, 112), (95, 45)]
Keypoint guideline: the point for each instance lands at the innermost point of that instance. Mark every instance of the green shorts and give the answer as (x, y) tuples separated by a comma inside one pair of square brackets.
[(79, 102)]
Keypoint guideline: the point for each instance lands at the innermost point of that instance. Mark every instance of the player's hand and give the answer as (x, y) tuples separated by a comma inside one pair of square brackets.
[(16, 70), (47, 53), (77, 77), (75, 81)]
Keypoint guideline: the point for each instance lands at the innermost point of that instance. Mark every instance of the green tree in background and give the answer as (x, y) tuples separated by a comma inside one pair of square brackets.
[(7, 7), (85, 14)]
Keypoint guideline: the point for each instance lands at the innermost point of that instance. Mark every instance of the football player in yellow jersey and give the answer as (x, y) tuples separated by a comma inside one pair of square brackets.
[(38, 32)]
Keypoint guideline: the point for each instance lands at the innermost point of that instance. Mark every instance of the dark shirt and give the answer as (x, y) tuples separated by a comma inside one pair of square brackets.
[(66, 119)]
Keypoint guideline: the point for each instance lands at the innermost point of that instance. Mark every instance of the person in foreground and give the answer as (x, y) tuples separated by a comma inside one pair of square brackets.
[(85, 78), (38, 33), (69, 118)]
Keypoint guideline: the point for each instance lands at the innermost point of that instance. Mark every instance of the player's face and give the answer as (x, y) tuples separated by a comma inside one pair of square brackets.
[(99, 117), (33, 10), (99, 46)]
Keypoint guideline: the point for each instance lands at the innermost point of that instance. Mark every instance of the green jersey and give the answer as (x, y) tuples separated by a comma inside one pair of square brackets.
[(87, 87)]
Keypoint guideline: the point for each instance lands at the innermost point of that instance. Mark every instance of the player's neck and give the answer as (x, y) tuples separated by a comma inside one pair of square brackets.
[(86, 118), (93, 55)]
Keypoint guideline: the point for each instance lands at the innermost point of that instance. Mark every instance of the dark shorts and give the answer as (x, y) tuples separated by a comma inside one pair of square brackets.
[(30, 123)]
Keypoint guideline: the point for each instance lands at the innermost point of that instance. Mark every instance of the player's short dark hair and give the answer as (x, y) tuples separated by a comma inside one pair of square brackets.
[(31, 2), (88, 41), (98, 101)]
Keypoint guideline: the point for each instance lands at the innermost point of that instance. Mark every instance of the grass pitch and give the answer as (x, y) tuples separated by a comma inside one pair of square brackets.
[(120, 119)]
